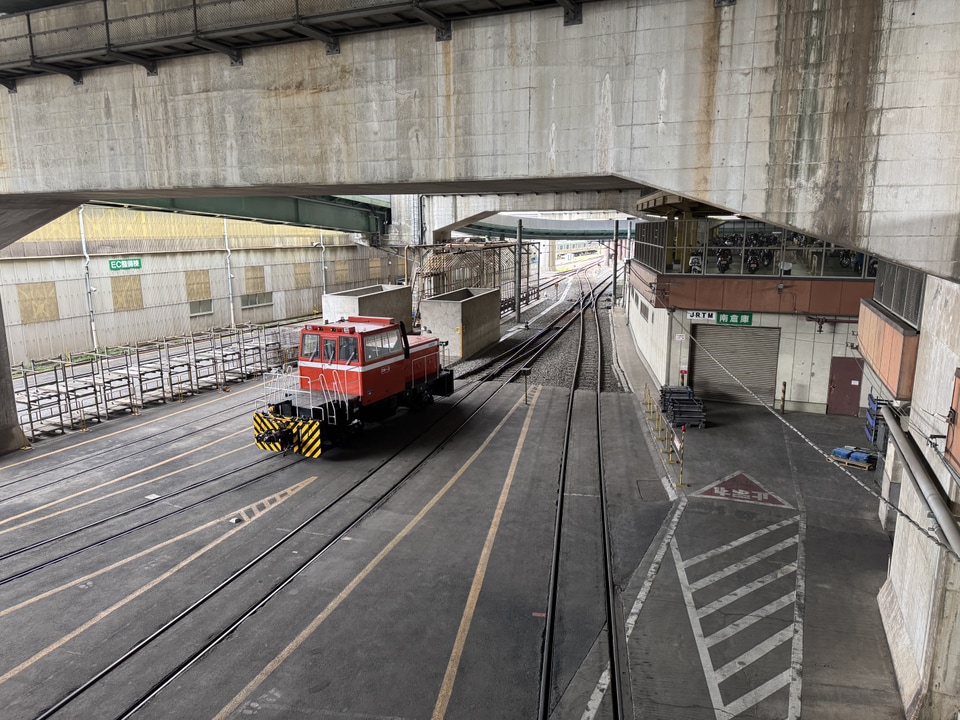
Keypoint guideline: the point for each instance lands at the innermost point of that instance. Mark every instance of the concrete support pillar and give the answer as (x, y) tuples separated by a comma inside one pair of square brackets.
[(11, 435)]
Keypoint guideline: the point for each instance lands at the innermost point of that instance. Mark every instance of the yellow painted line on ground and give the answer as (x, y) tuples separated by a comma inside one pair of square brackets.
[(33, 458), (446, 687), (278, 497), (53, 503), (304, 634)]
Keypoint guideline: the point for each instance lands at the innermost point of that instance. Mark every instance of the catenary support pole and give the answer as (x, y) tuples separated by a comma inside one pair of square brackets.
[(616, 244), (516, 273)]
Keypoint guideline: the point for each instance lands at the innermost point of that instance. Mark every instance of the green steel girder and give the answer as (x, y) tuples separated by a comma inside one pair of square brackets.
[(532, 233), (329, 212)]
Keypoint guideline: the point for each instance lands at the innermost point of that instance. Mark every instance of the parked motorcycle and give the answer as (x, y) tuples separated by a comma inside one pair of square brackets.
[(696, 262), (846, 258), (723, 260)]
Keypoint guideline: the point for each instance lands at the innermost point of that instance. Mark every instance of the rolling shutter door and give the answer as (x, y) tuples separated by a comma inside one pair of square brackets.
[(750, 353)]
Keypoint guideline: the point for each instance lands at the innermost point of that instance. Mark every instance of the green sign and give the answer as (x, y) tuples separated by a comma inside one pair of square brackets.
[(727, 318), (126, 264)]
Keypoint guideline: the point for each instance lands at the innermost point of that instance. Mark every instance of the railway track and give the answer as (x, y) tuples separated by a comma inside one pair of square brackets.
[(585, 376)]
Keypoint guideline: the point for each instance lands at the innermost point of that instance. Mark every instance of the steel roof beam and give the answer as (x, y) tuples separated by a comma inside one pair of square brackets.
[(444, 31), (74, 75), (235, 55), (572, 12), (150, 65), (332, 41)]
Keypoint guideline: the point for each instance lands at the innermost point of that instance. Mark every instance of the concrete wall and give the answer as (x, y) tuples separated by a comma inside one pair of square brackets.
[(938, 358), (169, 247), (650, 328), (919, 603), (392, 301), (750, 107), (469, 319), (11, 436)]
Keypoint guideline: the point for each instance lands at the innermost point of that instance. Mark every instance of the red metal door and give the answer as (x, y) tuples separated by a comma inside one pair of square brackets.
[(843, 398)]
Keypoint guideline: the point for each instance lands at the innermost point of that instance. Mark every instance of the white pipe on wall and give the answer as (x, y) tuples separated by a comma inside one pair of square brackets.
[(86, 277), (928, 487), (226, 244)]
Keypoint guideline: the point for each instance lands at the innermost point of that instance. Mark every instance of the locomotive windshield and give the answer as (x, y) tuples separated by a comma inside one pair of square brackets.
[(381, 344), (310, 346), (348, 349)]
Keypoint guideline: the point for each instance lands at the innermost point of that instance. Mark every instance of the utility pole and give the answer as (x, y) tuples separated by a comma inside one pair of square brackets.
[(616, 247), (517, 266)]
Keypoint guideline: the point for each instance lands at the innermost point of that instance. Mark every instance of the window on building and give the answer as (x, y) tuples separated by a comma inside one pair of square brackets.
[(256, 300), (953, 421), (301, 276), (201, 307), (127, 293), (254, 280), (38, 302), (198, 292), (341, 271), (900, 290)]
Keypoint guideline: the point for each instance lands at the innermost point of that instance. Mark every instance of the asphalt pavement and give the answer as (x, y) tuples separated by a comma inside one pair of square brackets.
[(758, 597)]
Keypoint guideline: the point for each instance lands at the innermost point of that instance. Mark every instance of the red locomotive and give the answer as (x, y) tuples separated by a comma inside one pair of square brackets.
[(349, 372)]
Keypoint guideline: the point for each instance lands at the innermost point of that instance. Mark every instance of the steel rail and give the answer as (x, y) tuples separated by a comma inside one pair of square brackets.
[(112, 456), (135, 528), (614, 612), (216, 639), (546, 656)]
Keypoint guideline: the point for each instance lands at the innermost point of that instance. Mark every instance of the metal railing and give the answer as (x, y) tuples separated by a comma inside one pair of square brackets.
[(69, 392)]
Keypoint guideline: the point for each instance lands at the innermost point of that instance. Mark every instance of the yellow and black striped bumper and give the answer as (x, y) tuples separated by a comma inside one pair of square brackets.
[(283, 434)]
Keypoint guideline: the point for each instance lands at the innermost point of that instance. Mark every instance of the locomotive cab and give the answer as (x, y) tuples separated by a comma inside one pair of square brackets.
[(348, 372)]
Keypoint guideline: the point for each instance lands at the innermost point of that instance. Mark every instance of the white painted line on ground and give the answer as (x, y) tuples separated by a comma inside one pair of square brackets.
[(754, 653), (792, 632), (746, 589), (796, 662), (751, 618), (671, 521), (713, 685), (634, 613), (739, 541), (668, 486), (753, 697), (745, 563)]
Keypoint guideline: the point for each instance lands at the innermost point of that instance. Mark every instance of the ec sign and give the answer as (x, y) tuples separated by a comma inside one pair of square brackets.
[(126, 264)]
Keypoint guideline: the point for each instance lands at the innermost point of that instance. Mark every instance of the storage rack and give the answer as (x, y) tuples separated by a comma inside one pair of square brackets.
[(876, 427), (680, 407), (69, 392)]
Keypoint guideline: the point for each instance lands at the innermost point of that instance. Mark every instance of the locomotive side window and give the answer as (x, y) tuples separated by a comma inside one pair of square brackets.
[(329, 349), (348, 349), (381, 344), (310, 346)]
